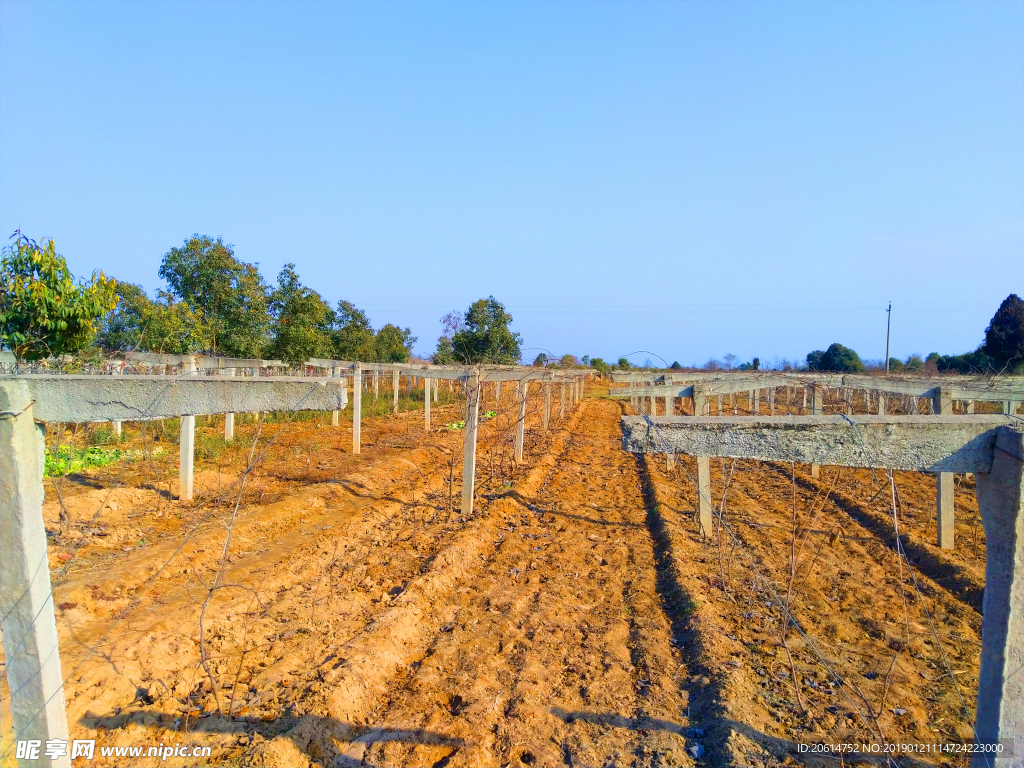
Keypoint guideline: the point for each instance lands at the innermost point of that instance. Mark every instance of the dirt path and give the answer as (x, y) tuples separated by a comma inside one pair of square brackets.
[(560, 652)]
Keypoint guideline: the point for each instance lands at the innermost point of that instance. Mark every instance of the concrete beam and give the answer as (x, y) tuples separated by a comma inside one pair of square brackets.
[(923, 443), (32, 659), (990, 390), (134, 398)]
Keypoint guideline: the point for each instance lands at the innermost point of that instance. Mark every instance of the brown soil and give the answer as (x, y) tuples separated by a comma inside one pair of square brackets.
[(575, 619)]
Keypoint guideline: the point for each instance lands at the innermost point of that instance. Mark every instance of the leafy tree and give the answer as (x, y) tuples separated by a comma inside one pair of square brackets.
[(895, 364), (1004, 337), (600, 365), (624, 364), (231, 294), (969, 362), (174, 328), (567, 361), (445, 354), (122, 328), (676, 366), (585, 360), (914, 363), (163, 325), (486, 337), (755, 364), (835, 358), (540, 360), (353, 335), (303, 320), (393, 344), (43, 311)]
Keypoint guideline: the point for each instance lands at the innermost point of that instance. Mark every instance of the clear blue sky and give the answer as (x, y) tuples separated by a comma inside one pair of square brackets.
[(689, 178)]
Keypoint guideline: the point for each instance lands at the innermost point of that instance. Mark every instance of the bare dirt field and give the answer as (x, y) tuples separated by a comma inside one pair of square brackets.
[(576, 618)]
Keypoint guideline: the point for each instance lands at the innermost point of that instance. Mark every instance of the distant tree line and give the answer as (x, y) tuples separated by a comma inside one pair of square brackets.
[(1002, 351), (212, 303)]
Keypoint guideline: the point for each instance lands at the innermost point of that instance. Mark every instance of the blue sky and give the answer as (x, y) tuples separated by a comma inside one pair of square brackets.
[(689, 178)]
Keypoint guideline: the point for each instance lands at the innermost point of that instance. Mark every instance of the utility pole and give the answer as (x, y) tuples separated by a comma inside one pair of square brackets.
[(888, 326)]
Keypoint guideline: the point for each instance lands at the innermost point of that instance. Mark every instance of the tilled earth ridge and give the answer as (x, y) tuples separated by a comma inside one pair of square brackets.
[(560, 652)]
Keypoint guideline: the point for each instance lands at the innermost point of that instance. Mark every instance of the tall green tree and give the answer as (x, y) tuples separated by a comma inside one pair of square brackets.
[(1004, 337), (393, 344), (231, 294), (835, 358), (486, 337), (165, 325), (303, 320), (444, 354), (43, 311), (353, 334)]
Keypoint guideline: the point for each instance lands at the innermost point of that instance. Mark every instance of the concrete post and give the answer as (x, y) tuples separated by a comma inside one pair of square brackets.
[(1000, 683), (426, 403), (944, 493), (186, 441), (700, 401), (469, 449), (376, 384), (771, 401), (229, 418), (720, 411), (969, 406), (757, 401), (27, 619), (117, 427), (521, 389), (434, 388), (653, 408), (497, 395), (395, 383), (735, 403), (547, 404), (815, 410), (704, 495), (670, 405), (357, 406), (881, 404), (561, 403)]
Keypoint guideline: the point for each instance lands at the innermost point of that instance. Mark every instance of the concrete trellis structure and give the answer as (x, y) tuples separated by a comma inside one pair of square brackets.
[(940, 393), (992, 447), (26, 601)]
